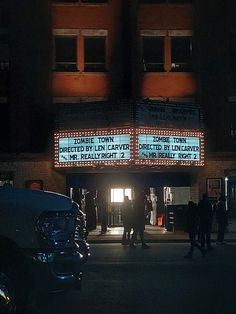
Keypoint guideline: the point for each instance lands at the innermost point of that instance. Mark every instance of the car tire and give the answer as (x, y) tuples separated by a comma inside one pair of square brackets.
[(7, 295), (13, 293)]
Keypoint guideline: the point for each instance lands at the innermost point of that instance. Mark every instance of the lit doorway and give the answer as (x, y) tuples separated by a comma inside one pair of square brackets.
[(116, 198)]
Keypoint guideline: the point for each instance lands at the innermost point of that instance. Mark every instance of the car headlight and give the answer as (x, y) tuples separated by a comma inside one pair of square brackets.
[(56, 230)]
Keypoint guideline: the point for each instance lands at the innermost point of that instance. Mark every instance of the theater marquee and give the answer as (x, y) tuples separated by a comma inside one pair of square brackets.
[(95, 147), (169, 147), (142, 146)]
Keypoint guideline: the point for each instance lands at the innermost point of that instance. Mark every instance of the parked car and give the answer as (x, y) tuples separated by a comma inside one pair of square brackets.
[(41, 241)]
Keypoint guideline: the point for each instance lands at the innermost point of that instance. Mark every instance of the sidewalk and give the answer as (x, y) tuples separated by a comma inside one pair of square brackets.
[(152, 234)]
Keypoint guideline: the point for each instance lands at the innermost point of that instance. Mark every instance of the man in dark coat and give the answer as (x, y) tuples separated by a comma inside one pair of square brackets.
[(90, 211), (206, 215), (139, 219), (193, 226), (221, 218), (126, 216)]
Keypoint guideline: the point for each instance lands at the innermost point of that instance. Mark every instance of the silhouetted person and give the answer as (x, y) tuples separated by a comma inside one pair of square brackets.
[(139, 219), (90, 211), (148, 208), (192, 226), (206, 215), (126, 216), (221, 218), (102, 206)]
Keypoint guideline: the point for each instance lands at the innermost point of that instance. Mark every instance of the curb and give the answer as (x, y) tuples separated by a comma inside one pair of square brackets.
[(109, 241)]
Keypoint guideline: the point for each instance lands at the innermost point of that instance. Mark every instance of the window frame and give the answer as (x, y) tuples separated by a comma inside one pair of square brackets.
[(80, 34), (182, 66), (167, 57), (4, 64), (85, 33), (232, 65), (55, 62), (87, 65), (151, 66)]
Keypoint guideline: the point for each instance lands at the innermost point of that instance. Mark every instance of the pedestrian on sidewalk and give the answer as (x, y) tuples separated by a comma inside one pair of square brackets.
[(206, 216), (139, 219), (221, 218), (126, 216), (192, 227), (91, 211)]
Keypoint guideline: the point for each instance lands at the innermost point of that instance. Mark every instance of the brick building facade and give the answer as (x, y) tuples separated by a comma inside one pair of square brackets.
[(105, 52)]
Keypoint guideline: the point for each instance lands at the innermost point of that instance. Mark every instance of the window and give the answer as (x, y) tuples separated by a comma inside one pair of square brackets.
[(4, 126), (3, 13), (232, 119), (153, 54), (4, 51), (94, 54), (66, 53), (181, 54), (117, 195), (232, 52)]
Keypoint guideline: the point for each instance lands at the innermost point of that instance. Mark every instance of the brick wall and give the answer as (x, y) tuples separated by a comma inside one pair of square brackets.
[(35, 170)]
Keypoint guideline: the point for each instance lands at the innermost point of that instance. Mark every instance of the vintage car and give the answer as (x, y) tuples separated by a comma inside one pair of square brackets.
[(42, 246)]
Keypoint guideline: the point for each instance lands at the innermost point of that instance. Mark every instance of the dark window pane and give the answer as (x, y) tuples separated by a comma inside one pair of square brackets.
[(232, 52), (153, 54), (4, 52), (233, 119), (3, 14), (4, 127), (94, 54), (66, 53), (181, 54)]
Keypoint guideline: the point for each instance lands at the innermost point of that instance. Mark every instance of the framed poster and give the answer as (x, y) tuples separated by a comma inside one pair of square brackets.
[(214, 187), (34, 184)]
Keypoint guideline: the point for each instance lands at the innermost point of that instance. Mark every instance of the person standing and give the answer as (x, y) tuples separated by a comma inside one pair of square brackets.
[(139, 219), (126, 216), (103, 209), (192, 226), (221, 218), (153, 218), (90, 211), (206, 215)]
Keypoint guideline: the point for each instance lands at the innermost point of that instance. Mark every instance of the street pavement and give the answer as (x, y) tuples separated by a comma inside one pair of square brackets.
[(121, 280), (155, 234)]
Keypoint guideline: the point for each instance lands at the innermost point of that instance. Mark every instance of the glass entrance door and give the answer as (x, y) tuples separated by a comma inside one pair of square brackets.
[(115, 202)]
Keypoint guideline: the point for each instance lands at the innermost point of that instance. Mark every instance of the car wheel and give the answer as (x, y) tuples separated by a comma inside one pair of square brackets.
[(13, 296), (7, 295)]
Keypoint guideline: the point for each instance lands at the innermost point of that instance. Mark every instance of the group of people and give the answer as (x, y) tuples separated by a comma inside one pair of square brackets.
[(199, 223), (134, 219)]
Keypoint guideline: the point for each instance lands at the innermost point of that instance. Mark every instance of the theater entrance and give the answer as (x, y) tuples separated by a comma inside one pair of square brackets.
[(112, 188)]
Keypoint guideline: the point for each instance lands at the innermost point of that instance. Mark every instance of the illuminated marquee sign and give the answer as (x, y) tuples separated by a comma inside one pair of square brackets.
[(169, 147), (95, 147), (141, 146)]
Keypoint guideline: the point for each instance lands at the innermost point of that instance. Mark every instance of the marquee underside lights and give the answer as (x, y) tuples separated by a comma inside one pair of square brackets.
[(143, 146)]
